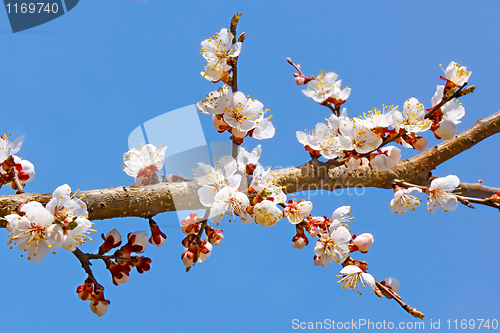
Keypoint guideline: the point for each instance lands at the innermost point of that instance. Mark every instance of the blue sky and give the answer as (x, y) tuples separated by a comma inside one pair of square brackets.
[(78, 86)]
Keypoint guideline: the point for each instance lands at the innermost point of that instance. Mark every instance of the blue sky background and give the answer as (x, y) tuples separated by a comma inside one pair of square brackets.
[(77, 86)]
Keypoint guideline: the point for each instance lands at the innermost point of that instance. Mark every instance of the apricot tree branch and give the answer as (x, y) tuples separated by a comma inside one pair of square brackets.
[(147, 201)]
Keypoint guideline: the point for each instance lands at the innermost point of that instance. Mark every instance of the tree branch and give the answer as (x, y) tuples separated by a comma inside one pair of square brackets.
[(147, 201)]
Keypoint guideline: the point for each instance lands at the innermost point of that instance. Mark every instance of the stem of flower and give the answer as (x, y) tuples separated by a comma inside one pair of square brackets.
[(444, 100), (84, 260), (388, 292), (19, 186), (234, 151), (234, 67), (334, 110), (294, 66)]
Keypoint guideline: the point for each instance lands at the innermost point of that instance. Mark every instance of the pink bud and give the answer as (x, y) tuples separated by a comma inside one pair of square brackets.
[(187, 258), (111, 240), (317, 261), (363, 242), (300, 80), (98, 304), (420, 143), (85, 290), (446, 130), (219, 124), (392, 283), (158, 238), (298, 243)]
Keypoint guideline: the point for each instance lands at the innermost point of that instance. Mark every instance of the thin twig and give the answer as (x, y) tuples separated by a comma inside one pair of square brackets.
[(84, 260), (444, 100), (387, 291), (20, 188)]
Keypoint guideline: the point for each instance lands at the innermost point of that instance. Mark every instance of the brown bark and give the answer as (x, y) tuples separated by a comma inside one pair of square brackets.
[(148, 201)]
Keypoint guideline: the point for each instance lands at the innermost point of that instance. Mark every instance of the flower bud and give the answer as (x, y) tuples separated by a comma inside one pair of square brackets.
[(420, 143), (85, 290), (111, 240), (300, 80), (205, 251), (219, 124), (446, 130), (215, 237), (380, 163), (142, 264), (363, 242), (267, 213), (137, 242), (98, 304), (392, 283), (187, 258), (299, 242), (158, 238), (190, 225), (317, 261)]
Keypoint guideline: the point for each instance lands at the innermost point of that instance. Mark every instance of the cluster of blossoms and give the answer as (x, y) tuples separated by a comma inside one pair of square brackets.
[(144, 163), (12, 166), (94, 293), (440, 195), (238, 114), (220, 189), (363, 139), (38, 230), (120, 264), (231, 110), (220, 53)]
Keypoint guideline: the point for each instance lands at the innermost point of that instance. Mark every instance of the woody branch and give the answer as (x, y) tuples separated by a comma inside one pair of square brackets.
[(147, 201)]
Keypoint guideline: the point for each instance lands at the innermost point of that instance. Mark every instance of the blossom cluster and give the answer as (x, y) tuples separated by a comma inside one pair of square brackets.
[(38, 230), (355, 140), (231, 110), (440, 195), (143, 164)]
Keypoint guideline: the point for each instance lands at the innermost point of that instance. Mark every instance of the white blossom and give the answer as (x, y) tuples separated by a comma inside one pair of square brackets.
[(296, 211), (245, 158), (452, 111), (333, 247), (220, 48), (404, 200), (321, 88), (387, 158), (357, 137), (412, 119), (34, 233), (229, 199), (265, 181), (144, 163), (267, 213), (8, 148), (210, 105), (213, 179), (377, 118), (353, 275), (440, 194), (457, 74)]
